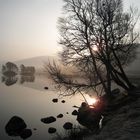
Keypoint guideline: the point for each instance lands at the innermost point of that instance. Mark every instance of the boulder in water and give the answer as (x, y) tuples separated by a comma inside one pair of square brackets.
[(88, 117), (15, 126), (48, 120)]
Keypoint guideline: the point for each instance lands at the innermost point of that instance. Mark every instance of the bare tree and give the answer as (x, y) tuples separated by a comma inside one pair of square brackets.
[(98, 38)]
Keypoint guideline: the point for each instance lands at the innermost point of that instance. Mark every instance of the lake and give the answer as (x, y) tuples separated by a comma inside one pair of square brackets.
[(26, 97)]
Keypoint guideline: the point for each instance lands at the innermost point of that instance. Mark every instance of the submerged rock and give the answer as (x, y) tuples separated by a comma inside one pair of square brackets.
[(75, 113), (60, 116), (55, 100), (48, 120), (15, 126), (68, 126), (51, 130)]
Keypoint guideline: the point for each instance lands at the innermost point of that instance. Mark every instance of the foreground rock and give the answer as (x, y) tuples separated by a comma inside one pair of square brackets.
[(88, 117), (17, 127), (48, 120)]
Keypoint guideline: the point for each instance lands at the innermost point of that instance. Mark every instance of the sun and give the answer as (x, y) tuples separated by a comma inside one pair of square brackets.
[(95, 48)]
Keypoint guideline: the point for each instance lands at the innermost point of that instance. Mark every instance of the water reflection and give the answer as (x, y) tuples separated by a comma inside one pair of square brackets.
[(32, 102), (11, 79), (27, 78)]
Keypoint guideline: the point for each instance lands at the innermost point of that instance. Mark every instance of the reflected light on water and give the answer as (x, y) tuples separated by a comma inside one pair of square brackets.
[(92, 101)]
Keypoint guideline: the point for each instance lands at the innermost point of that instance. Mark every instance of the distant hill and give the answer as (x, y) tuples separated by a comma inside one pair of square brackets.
[(37, 62)]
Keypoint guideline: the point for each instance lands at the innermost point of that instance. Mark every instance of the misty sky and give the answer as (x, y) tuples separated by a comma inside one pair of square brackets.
[(28, 28)]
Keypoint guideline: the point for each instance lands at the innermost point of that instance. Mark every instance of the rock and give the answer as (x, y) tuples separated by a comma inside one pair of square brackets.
[(55, 100), (48, 120), (15, 126), (60, 116), (46, 88), (88, 117), (84, 105), (75, 113), (34, 129), (26, 133), (51, 130), (75, 106), (68, 125), (63, 101)]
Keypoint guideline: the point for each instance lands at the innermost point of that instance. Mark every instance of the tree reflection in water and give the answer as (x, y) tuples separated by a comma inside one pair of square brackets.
[(27, 78), (10, 80)]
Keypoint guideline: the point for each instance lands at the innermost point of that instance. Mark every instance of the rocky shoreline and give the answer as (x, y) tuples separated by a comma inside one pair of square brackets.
[(122, 122)]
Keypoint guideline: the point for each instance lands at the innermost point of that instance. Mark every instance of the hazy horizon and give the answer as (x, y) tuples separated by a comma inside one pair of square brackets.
[(28, 28)]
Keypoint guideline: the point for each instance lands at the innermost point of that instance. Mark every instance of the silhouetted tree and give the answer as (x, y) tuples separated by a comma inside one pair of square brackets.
[(22, 68), (9, 67), (98, 38), (27, 69), (3, 68)]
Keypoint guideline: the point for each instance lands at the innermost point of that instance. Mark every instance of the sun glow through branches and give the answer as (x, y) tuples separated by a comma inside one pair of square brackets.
[(95, 48)]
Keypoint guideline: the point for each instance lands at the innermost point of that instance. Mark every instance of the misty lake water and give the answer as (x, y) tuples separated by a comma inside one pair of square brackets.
[(26, 97)]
